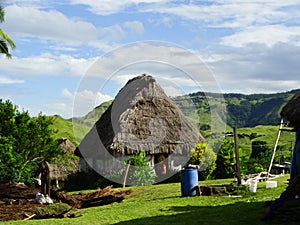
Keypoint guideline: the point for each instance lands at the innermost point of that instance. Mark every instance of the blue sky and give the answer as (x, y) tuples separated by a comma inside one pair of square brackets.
[(84, 51)]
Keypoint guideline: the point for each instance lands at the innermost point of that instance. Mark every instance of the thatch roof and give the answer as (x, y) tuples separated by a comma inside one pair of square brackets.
[(141, 118), (291, 111), (60, 171)]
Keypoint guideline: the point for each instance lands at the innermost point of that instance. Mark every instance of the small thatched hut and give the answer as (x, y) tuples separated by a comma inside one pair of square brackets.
[(60, 171), (291, 113), (141, 118)]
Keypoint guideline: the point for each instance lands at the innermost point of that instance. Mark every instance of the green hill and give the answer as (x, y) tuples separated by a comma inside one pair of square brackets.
[(246, 110)]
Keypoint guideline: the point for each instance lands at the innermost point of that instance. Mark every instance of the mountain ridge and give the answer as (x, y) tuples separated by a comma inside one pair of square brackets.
[(249, 110)]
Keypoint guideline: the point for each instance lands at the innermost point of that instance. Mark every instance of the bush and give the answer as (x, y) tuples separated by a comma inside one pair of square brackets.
[(225, 161), (141, 174), (203, 156)]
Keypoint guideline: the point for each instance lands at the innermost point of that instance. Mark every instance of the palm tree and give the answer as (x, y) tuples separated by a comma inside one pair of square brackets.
[(5, 40)]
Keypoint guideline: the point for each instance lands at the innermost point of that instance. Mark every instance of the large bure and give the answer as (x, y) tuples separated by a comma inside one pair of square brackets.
[(291, 113), (141, 118)]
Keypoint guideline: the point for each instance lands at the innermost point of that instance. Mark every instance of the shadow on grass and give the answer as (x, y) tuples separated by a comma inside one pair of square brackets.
[(234, 214)]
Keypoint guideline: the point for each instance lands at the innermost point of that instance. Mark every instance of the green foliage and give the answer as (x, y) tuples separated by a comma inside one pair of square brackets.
[(197, 154), (259, 159), (24, 142), (141, 174), (5, 41), (253, 166), (8, 160), (225, 161), (261, 153), (203, 156), (242, 110)]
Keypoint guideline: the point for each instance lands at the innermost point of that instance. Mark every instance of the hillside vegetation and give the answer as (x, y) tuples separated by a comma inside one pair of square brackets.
[(246, 110)]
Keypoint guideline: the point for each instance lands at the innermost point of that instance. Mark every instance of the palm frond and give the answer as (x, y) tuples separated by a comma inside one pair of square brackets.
[(2, 13), (4, 49), (6, 38)]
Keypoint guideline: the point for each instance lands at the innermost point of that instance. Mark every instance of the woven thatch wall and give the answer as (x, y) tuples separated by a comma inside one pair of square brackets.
[(291, 111), (141, 118)]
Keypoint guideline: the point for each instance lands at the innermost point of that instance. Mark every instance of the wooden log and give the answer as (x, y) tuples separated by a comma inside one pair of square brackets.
[(68, 199), (104, 200), (30, 217)]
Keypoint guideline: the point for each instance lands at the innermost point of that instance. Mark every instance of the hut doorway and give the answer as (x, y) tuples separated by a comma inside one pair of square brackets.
[(160, 161)]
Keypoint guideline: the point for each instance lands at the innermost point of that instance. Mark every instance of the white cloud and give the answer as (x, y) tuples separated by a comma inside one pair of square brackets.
[(255, 86), (45, 64), (257, 68), (135, 26), (268, 35), (63, 109), (232, 14), (107, 7), (5, 80), (112, 33), (162, 60), (52, 25), (75, 104), (142, 56), (67, 94), (167, 21), (49, 25), (86, 100)]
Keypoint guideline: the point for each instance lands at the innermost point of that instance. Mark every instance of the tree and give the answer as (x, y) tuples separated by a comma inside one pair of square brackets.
[(24, 143), (225, 161), (260, 157), (5, 41)]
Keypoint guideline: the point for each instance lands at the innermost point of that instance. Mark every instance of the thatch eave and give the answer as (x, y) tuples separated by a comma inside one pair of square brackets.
[(291, 111), (60, 171)]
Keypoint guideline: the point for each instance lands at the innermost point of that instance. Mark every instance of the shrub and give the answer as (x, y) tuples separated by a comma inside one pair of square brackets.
[(203, 156), (225, 161), (141, 174)]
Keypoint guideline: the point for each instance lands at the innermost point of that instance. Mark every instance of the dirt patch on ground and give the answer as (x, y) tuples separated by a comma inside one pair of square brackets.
[(17, 202)]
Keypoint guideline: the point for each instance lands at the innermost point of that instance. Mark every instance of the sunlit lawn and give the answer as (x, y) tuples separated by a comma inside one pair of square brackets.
[(163, 204)]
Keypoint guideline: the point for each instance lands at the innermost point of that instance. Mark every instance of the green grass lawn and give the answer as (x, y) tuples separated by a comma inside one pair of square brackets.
[(163, 204)]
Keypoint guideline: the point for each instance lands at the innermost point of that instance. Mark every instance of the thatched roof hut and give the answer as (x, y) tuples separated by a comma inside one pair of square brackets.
[(60, 171), (291, 111), (141, 118)]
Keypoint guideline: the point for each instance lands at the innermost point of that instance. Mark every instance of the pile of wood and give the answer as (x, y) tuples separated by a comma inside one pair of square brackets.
[(98, 198), (17, 202), (84, 200)]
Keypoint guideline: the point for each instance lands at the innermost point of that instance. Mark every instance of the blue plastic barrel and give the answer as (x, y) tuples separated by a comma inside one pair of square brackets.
[(189, 180)]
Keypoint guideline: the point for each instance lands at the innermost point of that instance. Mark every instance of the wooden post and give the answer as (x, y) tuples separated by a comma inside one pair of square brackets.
[(126, 173), (45, 178), (237, 156)]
